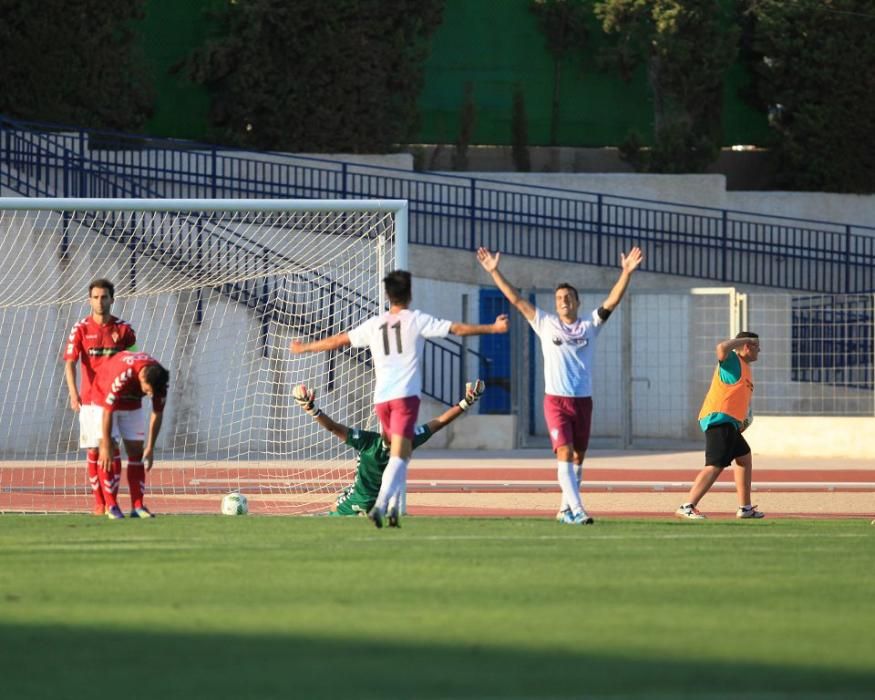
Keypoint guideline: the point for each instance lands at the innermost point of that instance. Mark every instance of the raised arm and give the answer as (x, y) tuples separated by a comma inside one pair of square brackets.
[(727, 346), (499, 326), (473, 391), (489, 262), (306, 399), (628, 264), (330, 343)]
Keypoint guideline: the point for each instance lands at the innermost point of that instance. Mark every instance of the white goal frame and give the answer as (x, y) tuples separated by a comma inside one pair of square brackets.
[(36, 482)]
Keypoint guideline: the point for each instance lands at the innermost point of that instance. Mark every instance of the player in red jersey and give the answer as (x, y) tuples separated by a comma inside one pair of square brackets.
[(92, 341), (120, 386)]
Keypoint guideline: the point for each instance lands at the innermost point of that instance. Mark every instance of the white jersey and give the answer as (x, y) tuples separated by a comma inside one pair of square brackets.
[(396, 342), (569, 351)]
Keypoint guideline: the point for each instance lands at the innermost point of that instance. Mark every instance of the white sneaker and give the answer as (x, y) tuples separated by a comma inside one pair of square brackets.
[(580, 518), (560, 516), (752, 512), (689, 512)]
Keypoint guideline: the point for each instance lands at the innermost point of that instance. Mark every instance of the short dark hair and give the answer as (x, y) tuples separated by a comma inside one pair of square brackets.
[(101, 283), (746, 334), (158, 377), (397, 284), (565, 285)]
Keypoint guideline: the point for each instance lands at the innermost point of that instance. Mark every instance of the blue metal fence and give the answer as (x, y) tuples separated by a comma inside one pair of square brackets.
[(456, 211), (453, 211)]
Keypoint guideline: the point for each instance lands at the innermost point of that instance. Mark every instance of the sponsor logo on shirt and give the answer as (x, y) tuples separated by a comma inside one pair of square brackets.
[(582, 342), (103, 352)]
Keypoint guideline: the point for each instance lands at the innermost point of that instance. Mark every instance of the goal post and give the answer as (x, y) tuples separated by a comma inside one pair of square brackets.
[(215, 290)]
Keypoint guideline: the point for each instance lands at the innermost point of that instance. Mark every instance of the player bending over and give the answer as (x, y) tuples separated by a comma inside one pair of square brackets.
[(120, 386), (373, 448), (396, 339)]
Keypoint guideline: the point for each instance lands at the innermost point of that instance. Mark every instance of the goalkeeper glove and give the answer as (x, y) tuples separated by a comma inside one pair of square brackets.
[(306, 399), (473, 391)]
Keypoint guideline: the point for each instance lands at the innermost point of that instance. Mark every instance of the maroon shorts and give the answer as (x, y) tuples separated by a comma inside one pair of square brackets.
[(568, 421), (398, 416)]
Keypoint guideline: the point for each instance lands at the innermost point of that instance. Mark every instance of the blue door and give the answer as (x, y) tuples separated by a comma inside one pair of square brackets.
[(496, 348)]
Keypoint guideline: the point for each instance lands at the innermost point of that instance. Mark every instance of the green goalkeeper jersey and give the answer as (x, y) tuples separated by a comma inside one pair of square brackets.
[(373, 456)]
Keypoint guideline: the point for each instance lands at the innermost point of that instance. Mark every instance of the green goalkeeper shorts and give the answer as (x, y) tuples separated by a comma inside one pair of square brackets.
[(354, 500)]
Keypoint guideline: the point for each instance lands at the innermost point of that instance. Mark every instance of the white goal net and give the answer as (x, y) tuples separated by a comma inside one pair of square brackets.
[(215, 290)]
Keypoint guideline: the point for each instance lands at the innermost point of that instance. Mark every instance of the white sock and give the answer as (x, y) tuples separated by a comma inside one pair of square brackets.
[(577, 473), (394, 478), (568, 484)]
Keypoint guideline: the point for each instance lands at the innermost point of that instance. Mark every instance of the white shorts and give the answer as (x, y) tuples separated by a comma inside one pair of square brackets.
[(126, 425)]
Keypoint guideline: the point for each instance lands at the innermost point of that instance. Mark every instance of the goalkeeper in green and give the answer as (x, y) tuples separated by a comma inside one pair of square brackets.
[(373, 449)]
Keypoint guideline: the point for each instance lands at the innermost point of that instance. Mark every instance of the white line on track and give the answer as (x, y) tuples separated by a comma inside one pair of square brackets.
[(678, 536)]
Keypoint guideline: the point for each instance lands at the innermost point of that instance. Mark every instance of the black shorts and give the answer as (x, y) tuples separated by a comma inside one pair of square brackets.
[(723, 444)]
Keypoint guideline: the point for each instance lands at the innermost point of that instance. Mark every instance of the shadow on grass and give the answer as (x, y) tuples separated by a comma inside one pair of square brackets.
[(54, 662)]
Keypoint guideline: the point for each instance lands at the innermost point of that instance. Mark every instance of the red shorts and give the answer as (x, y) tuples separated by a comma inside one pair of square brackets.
[(568, 421), (398, 416)]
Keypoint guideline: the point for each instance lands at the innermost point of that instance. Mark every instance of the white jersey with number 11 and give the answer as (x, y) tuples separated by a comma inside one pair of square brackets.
[(396, 342)]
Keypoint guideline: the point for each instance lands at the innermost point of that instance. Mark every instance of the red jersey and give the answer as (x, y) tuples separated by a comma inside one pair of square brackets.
[(117, 384), (94, 344)]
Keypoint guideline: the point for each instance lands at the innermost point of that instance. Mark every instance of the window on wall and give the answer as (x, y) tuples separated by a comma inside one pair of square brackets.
[(832, 340)]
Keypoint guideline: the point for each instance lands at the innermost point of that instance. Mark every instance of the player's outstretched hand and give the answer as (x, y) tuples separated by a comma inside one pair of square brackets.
[(473, 391), (502, 323), (296, 347), (306, 399), (631, 260), (488, 260)]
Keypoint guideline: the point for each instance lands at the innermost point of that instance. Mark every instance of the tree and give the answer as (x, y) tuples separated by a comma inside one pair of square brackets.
[(687, 46), (467, 122), (563, 23), (74, 62), (519, 127), (317, 76), (815, 62)]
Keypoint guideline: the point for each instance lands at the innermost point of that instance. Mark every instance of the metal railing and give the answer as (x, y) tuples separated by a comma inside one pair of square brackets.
[(454, 211), (460, 212)]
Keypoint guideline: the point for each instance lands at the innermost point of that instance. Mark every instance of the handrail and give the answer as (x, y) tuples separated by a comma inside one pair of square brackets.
[(226, 248), (458, 211)]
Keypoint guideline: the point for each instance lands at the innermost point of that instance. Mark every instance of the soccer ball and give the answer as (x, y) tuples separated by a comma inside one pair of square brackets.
[(235, 503)]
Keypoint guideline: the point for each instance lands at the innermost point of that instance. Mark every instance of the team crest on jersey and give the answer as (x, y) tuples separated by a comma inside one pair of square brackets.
[(582, 342)]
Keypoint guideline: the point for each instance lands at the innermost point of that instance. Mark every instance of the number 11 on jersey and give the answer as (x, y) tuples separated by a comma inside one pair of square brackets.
[(385, 328)]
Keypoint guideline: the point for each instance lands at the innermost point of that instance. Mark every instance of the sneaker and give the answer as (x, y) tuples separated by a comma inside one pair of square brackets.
[(377, 516), (98, 509), (689, 512), (394, 517), (580, 518), (141, 512), (752, 512), (560, 516), (115, 513)]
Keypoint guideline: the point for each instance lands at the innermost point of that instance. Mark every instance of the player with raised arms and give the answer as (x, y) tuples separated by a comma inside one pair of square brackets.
[(396, 339), (120, 386), (92, 341), (373, 448), (568, 346)]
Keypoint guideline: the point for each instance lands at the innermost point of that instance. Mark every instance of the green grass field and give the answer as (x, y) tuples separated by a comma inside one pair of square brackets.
[(212, 607)]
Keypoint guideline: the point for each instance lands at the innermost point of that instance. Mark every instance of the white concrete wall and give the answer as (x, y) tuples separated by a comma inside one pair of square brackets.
[(812, 437)]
